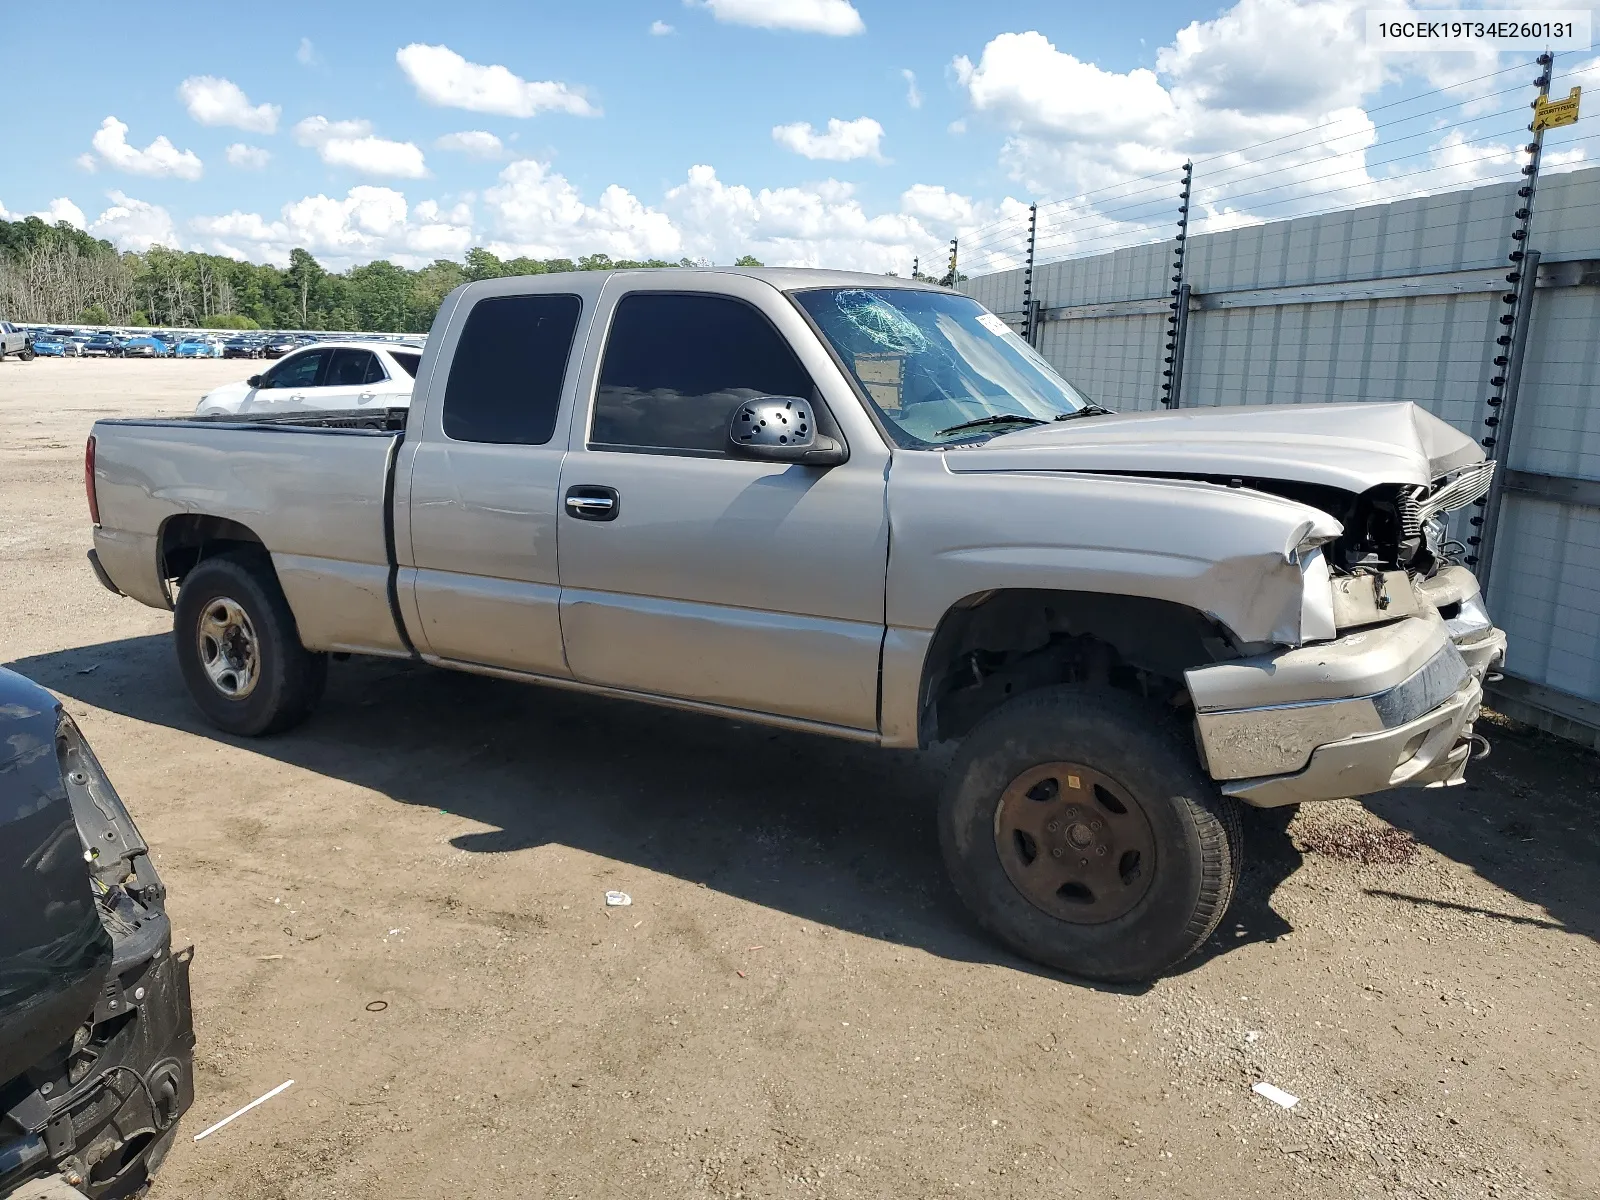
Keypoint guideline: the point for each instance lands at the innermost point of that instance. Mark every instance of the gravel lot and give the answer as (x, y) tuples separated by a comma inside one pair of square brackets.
[(794, 1005)]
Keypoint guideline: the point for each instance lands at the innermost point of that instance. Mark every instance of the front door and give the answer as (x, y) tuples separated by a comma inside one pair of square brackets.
[(688, 573), (285, 387)]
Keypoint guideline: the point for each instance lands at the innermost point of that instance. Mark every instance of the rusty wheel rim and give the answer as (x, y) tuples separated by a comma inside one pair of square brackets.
[(1074, 842)]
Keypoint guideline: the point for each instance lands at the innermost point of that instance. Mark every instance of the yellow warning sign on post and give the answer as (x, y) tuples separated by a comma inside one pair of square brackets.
[(1552, 114)]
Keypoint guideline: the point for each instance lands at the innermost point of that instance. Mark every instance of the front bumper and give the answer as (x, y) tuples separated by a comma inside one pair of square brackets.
[(1380, 708)]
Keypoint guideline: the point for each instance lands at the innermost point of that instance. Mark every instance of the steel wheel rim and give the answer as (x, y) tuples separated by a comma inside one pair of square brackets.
[(1075, 843), (229, 651)]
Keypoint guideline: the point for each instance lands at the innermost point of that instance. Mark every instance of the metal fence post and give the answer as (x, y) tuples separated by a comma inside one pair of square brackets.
[(1511, 346), (1027, 276), (1178, 319)]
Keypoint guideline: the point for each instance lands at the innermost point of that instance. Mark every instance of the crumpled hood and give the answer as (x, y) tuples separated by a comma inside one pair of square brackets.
[(1348, 446)]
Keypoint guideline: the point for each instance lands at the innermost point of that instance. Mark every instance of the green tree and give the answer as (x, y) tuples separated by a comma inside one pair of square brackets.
[(304, 277), (748, 260), (228, 321), (481, 264), (95, 314)]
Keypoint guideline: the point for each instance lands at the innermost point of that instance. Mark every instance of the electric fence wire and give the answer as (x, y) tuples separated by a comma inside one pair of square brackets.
[(1212, 190)]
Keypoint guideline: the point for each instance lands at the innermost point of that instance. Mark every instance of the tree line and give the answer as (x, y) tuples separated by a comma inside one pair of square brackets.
[(58, 273)]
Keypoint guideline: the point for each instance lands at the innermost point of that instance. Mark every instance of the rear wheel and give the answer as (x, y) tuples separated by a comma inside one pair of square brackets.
[(1078, 827), (239, 649)]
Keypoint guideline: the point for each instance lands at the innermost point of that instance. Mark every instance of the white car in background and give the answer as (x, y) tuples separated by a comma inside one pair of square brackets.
[(322, 376)]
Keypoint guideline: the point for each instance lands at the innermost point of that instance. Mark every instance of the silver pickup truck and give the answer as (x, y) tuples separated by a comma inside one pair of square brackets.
[(863, 508)]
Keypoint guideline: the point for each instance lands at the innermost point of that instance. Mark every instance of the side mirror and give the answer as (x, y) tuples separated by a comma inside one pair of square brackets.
[(781, 429), (254, 381)]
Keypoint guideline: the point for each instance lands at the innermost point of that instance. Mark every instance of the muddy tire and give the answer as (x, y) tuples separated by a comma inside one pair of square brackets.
[(239, 649), (1080, 830)]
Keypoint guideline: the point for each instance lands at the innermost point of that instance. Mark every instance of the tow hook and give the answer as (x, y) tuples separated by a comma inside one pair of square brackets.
[(1480, 747)]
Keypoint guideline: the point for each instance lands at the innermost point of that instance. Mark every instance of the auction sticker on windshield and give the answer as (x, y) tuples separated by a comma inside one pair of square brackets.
[(993, 324)]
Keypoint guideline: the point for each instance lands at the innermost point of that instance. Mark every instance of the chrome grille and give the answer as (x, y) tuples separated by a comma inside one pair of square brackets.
[(1467, 485)]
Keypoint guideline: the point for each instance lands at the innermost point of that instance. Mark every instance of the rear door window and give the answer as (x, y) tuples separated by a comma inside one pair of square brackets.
[(677, 364), (407, 362), (352, 368), (508, 367)]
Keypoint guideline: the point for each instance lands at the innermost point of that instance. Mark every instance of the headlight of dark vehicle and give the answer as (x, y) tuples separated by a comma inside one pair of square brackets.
[(96, 1038)]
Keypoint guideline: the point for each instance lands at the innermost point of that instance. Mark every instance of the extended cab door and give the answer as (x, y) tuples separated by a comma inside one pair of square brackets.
[(476, 486), (690, 574)]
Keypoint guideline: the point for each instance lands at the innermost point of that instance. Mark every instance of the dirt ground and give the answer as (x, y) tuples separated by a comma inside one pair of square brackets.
[(400, 907)]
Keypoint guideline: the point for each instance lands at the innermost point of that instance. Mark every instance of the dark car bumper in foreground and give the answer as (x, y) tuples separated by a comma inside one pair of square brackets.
[(96, 1033)]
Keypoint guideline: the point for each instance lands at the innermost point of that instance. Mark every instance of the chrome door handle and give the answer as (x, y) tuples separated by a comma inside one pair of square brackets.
[(366, 395), (593, 502)]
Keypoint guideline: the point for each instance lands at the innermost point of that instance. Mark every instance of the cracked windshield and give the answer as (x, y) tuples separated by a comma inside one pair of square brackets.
[(938, 367)]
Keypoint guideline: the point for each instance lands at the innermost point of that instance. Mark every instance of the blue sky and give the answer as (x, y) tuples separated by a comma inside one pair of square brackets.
[(702, 128)]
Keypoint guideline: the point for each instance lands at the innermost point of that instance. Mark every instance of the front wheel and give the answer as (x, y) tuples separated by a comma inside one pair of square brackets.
[(239, 649), (1078, 827)]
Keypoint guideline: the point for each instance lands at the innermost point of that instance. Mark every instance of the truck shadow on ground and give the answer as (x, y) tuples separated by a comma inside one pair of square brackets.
[(833, 832), (1524, 822)]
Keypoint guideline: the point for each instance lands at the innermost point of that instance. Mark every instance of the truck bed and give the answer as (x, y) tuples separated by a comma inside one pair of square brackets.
[(312, 488)]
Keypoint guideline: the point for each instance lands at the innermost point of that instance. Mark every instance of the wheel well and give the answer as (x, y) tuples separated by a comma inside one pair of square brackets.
[(995, 645), (189, 538)]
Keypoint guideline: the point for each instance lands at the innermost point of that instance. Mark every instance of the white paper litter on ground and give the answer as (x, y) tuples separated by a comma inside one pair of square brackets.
[(618, 899), (245, 1109), (1276, 1094)]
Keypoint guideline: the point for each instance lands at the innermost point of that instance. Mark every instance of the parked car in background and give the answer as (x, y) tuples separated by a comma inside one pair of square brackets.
[(103, 345), (15, 341), (328, 375), (199, 348), (96, 1038), (49, 345), (277, 345), (241, 347), (145, 346)]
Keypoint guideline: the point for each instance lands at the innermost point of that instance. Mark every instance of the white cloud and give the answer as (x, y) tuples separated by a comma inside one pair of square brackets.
[(844, 140), (367, 223), (837, 18), (159, 158), (913, 96), (443, 78), (131, 224), (536, 211), (475, 142), (1269, 98), (932, 203), (1261, 71), (661, 29), (820, 225), (248, 158), (214, 101), (352, 144), (306, 56), (59, 209)]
